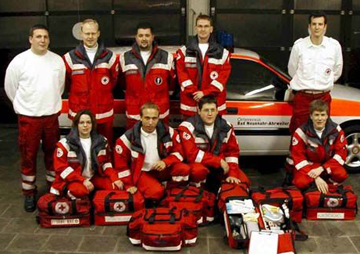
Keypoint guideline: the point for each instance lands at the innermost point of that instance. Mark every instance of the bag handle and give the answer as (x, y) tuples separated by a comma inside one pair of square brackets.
[(154, 213), (181, 194), (130, 201)]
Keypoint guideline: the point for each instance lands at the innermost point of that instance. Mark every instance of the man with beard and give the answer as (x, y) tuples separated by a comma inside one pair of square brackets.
[(147, 73)]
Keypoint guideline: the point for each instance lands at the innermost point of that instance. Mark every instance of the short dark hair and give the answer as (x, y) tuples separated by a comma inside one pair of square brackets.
[(318, 14), (149, 105), (203, 16), (207, 99), (37, 26), (319, 105), (84, 112), (144, 25)]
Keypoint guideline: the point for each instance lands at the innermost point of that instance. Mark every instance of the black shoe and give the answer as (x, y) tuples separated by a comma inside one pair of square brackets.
[(30, 204)]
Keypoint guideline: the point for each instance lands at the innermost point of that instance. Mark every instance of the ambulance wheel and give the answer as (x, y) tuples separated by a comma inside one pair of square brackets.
[(352, 134)]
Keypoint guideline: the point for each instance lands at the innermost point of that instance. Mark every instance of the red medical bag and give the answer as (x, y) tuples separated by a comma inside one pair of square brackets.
[(198, 198), (289, 195), (229, 191), (338, 204), (58, 212), (115, 207), (162, 229)]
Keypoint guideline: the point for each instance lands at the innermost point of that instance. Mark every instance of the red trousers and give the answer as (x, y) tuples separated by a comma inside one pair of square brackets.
[(200, 174), (78, 189), (302, 181), (149, 183), (106, 129), (31, 131), (301, 104)]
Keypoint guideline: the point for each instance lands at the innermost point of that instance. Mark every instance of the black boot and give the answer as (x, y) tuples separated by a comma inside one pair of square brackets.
[(30, 204)]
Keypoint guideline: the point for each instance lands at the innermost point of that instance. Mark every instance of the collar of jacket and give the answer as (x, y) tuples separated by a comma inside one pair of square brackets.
[(221, 128), (97, 143), (136, 50), (330, 131), (215, 50), (80, 52), (163, 136)]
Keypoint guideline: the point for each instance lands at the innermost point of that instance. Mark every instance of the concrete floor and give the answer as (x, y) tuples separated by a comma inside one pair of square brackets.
[(19, 232)]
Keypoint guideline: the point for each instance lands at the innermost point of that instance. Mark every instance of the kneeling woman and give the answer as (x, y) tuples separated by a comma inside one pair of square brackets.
[(82, 161)]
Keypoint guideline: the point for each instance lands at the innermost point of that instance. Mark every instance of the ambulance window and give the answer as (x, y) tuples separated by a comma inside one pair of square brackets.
[(251, 81)]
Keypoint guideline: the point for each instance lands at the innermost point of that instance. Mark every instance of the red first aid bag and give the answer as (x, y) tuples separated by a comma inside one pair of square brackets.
[(338, 204), (197, 198), (58, 212), (115, 207), (230, 191), (162, 229), (289, 195)]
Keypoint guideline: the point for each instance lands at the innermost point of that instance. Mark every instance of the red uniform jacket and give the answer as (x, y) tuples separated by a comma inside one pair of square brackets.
[(91, 85), (129, 154), (309, 151), (147, 82), (70, 158), (198, 147), (208, 75)]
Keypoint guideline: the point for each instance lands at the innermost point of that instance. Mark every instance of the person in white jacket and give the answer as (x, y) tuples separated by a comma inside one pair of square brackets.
[(34, 82)]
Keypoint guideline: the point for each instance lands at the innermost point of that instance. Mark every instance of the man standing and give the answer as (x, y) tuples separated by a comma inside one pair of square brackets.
[(149, 153), (148, 74), (34, 83), (211, 148), (91, 74), (319, 150), (203, 68), (315, 63)]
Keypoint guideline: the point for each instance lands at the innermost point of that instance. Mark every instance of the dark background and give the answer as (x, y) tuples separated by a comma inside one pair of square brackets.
[(268, 27)]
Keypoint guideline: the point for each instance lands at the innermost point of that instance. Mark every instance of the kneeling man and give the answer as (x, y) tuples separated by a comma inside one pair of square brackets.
[(149, 153), (319, 150), (210, 145)]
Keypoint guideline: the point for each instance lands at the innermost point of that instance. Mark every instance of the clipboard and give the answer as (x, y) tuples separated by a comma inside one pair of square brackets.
[(263, 243)]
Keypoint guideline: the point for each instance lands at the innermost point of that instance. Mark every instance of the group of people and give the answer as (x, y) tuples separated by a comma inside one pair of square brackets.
[(202, 151)]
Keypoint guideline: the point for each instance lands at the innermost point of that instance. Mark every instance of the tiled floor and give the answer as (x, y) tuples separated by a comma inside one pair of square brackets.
[(19, 232)]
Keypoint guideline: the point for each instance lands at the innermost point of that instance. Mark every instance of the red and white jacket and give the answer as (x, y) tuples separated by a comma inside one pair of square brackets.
[(147, 82), (199, 148), (208, 75), (91, 85), (129, 154), (70, 159), (308, 151)]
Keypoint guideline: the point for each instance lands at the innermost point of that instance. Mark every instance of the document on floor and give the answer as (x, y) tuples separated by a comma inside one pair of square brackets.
[(263, 242)]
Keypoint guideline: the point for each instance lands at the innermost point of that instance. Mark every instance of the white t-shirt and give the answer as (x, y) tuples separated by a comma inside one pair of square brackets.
[(209, 129), (87, 172), (34, 83), (149, 144), (319, 133), (145, 55), (203, 47), (91, 52)]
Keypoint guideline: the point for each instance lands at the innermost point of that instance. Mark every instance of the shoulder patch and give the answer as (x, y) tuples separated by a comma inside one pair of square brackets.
[(186, 136), (294, 141), (59, 152), (118, 149), (342, 138)]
